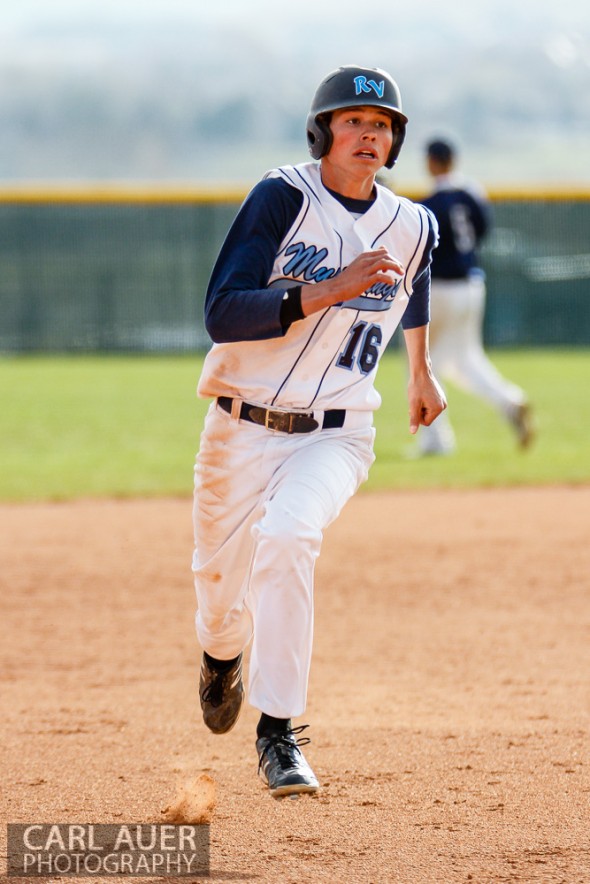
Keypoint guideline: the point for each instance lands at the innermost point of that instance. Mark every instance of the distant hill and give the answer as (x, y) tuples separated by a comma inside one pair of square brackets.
[(223, 104)]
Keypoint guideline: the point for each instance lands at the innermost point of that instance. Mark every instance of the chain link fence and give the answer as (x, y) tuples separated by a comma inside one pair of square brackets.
[(98, 272)]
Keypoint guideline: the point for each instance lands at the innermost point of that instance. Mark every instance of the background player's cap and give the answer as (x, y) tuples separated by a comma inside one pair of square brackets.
[(441, 150), (353, 86)]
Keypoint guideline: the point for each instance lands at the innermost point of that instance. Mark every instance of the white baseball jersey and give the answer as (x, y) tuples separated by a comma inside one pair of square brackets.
[(328, 359)]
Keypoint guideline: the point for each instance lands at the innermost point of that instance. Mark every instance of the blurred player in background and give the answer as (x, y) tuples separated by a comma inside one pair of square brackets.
[(458, 302)]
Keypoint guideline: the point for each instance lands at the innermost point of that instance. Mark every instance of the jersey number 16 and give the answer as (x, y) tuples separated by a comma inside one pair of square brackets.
[(362, 346)]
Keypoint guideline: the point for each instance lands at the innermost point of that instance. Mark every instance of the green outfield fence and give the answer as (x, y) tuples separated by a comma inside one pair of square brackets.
[(125, 269)]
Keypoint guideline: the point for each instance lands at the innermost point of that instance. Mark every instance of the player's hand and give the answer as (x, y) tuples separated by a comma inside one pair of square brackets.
[(426, 401), (367, 269)]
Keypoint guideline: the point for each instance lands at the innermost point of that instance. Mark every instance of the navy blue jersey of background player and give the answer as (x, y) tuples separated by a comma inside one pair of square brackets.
[(463, 220)]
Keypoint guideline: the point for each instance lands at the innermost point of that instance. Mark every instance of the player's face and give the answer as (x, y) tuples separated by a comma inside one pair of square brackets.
[(362, 139)]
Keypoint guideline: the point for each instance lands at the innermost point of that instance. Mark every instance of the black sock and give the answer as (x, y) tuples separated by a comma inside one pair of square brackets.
[(269, 725), (220, 665)]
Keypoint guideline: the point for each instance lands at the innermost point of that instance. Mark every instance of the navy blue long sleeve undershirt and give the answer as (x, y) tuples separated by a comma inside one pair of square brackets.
[(239, 306)]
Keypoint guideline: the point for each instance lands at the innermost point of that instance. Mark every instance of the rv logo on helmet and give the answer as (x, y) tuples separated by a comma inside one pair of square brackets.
[(361, 84)]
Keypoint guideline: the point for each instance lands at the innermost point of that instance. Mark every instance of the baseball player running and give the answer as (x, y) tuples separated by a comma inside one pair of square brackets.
[(458, 304), (320, 266)]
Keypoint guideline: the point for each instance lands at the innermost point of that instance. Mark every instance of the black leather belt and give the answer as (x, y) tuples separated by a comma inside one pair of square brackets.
[(285, 421)]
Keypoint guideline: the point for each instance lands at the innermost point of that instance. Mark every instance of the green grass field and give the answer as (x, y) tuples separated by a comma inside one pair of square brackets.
[(85, 426)]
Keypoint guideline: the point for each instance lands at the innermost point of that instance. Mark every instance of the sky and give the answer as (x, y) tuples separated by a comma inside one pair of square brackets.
[(305, 38), (269, 17), (311, 32)]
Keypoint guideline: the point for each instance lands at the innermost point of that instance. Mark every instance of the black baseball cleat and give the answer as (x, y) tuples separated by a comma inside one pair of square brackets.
[(221, 692), (282, 764)]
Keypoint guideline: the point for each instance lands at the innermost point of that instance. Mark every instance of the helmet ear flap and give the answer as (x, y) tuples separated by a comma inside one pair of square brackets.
[(399, 134), (319, 135)]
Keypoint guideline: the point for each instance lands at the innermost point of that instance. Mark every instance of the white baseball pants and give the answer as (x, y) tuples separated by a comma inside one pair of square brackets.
[(262, 500), (457, 354)]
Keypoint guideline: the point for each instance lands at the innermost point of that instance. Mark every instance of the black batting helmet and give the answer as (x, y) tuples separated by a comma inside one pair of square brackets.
[(352, 86)]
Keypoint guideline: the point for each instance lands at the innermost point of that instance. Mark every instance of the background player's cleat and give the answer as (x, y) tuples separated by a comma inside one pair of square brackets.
[(282, 763), (221, 693), (523, 424)]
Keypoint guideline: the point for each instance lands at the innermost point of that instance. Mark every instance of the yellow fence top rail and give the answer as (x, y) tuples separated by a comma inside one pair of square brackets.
[(160, 194), (120, 193)]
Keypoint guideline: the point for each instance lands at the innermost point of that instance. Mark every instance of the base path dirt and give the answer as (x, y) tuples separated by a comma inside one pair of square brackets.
[(449, 698)]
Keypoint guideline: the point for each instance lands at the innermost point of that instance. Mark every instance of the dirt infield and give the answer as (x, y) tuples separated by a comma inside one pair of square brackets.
[(449, 697)]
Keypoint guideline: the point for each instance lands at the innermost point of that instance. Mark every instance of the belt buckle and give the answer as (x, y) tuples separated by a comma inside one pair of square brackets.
[(279, 421)]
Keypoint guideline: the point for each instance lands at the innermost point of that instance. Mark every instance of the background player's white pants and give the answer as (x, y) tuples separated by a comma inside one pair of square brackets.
[(262, 500), (457, 354)]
